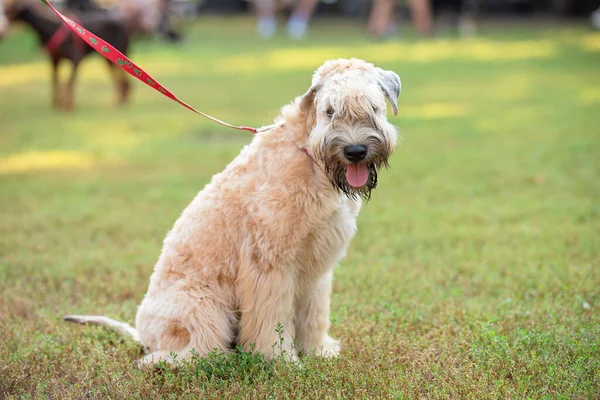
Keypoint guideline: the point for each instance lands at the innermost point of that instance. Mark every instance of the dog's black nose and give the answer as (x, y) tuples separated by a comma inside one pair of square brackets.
[(355, 153)]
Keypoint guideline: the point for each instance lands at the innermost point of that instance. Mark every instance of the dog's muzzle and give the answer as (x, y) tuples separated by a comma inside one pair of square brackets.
[(356, 174)]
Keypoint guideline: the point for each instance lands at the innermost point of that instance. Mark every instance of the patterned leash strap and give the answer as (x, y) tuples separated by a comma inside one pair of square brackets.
[(118, 58)]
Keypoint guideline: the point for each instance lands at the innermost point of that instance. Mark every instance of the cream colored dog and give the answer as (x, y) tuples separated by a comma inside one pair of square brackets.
[(257, 247)]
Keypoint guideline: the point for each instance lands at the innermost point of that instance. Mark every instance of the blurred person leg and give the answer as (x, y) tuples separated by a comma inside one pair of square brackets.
[(421, 14), (4, 24), (267, 23), (595, 18), (380, 17), (298, 22), (165, 26), (142, 16), (467, 26)]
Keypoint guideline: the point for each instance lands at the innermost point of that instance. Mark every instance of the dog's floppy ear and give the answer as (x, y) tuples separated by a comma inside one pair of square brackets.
[(390, 83), (308, 98), (307, 104)]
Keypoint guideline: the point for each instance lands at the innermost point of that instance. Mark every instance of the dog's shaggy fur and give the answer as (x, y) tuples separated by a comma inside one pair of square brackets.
[(258, 245)]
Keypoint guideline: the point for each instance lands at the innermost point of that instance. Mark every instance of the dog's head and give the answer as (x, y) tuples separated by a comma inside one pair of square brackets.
[(349, 134), (13, 10)]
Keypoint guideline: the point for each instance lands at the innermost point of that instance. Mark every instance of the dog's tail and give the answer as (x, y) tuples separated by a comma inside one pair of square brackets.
[(101, 320)]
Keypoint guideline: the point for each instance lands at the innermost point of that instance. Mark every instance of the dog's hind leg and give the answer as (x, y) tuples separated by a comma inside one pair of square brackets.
[(101, 320), (124, 88), (55, 84), (71, 87), (203, 326), (121, 82)]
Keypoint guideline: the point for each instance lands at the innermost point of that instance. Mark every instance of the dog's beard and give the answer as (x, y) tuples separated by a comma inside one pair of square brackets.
[(354, 180), (337, 172)]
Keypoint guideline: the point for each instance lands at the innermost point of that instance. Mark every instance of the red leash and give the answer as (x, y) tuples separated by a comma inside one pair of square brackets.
[(118, 58)]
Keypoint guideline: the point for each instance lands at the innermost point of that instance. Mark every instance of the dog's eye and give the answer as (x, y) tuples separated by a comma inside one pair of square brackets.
[(375, 109), (330, 112)]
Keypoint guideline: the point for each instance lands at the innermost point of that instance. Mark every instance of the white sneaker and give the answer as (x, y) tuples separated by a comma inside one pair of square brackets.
[(297, 28), (267, 27), (467, 27)]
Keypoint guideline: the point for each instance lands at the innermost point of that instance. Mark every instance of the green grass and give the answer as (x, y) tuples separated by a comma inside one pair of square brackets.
[(475, 272)]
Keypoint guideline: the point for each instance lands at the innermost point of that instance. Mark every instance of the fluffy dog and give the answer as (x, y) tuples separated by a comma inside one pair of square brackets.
[(258, 245)]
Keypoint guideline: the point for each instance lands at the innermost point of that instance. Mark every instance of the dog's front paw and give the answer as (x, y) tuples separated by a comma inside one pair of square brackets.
[(290, 355), (156, 361), (331, 347)]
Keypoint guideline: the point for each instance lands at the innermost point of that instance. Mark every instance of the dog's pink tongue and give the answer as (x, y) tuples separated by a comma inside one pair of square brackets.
[(357, 175)]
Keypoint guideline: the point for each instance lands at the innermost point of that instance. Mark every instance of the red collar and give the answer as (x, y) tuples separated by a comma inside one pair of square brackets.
[(307, 153), (61, 34)]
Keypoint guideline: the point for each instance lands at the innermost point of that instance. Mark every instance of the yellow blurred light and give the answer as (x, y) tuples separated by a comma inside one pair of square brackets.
[(45, 160), (436, 110)]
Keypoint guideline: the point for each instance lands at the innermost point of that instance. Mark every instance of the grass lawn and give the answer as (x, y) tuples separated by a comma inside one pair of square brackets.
[(475, 272)]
